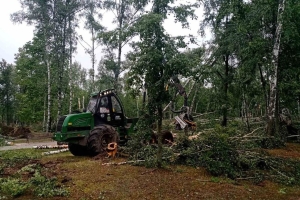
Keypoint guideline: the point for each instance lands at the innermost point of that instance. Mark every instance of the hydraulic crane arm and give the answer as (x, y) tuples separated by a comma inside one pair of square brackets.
[(184, 119), (180, 89)]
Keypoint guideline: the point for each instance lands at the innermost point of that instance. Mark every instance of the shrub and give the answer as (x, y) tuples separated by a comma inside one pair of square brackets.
[(221, 158), (2, 141), (45, 187), (11, 158), (13, 187)]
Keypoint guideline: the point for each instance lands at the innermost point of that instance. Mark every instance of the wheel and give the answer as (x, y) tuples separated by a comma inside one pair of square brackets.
[(77, 150), (99, 138)]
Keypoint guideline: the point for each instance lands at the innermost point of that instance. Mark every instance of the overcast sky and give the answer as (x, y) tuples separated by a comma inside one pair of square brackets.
[(14, 36)]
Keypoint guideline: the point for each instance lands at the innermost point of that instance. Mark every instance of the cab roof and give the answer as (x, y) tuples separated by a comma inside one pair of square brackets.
[(102, 93)]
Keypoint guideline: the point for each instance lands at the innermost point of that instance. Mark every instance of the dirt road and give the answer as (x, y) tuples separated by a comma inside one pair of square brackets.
[(27, 145)]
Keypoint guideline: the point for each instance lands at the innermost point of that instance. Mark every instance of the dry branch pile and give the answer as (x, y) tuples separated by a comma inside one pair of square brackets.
[(18, 132)]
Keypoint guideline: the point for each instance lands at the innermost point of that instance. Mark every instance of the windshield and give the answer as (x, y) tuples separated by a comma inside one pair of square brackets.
[(91, 106)]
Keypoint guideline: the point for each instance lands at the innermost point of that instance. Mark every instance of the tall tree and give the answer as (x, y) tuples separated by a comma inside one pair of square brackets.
[(29, 71), (156, 58), (289, 72), (272, 127), (41, 14), (92, 16), (125, 14), (222, 17), (6, 92), (51, 19)]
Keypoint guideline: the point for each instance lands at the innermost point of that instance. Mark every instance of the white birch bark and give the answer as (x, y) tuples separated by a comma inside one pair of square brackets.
[(71, 91), (70, 70), (48, 66), (273, 79), (48, 94), (44, 115)]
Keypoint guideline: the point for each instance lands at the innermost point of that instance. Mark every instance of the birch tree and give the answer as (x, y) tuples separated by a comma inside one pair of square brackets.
[(272, 127), (41, 15), (92, 16), (125, 14), (50, 19)]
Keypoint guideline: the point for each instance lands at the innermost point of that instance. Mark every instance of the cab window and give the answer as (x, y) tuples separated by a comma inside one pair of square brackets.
[(91, 106), (116, 107), (104, 105)]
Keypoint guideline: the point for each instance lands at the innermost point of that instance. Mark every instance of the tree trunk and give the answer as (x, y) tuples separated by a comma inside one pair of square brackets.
[(117, 71), (61, 70), (70, 68), (263, 83), (44, 117), (48, 93), (159, 131), (93, 60), (7, 107), (246, 112), (298, 106), (273, 98), (225, 91), (193, 100), (48, 66)]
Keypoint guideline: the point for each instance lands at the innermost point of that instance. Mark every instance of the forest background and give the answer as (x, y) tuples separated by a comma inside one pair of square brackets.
[(247, 69)]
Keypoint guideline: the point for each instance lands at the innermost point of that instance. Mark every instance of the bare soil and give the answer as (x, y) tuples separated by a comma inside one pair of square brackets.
[(87, 178)]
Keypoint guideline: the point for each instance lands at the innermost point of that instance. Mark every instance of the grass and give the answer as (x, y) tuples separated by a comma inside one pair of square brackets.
[(86, 179)]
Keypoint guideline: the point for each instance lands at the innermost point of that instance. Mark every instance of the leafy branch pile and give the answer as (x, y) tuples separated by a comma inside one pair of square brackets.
[(224, 153), (221, 153), (142, 148)]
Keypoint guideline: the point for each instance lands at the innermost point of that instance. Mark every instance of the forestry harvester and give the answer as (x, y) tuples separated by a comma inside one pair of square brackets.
[(103, 123)]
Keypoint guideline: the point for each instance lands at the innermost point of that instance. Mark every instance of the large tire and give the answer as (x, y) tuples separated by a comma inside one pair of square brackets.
[(99, 139), (77, 150)]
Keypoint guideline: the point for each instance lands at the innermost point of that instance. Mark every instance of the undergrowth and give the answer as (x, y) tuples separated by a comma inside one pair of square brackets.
[(222, 151), (29, 178), (141, 148), (224, 155)]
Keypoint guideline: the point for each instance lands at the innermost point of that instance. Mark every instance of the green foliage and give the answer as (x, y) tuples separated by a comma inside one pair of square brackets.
[(284, 171), (2, 141), (31, 168), (214, 151), (271, 142), (13, 187), (132, 106), (140, 146), (47, 187), (7, 92), (189, 151), (139, 140), (29, 71), (20, 157), (221, 158), (221, 154), (39, 184)]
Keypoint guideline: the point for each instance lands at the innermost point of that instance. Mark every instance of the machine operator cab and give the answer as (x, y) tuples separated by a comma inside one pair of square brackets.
[(106, 108)]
